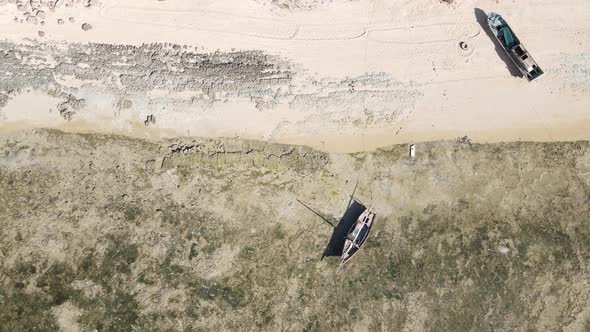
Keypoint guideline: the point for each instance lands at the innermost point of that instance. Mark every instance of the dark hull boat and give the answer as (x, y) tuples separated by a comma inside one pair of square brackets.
[(351, 232), (515, 50)]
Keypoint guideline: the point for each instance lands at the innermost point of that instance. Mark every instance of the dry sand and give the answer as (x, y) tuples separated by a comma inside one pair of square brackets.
[(337, 75)]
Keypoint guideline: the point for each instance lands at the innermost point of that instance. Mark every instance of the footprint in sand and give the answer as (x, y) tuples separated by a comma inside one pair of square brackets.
[(86, 26), (32, 20)]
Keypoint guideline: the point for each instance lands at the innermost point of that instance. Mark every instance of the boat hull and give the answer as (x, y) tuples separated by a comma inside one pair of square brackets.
[(513, 47), (357, 236)]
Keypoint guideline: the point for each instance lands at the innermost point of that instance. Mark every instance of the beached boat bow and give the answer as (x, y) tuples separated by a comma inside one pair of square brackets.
[(513, 47)]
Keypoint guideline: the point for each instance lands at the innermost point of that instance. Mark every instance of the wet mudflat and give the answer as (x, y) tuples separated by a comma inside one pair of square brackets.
[(112, 233)]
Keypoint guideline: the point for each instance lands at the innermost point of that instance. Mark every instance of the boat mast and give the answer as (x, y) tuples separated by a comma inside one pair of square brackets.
[(317, 214), (352, 196)]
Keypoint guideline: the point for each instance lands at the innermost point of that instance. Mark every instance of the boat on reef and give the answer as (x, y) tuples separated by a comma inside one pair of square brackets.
[(357, 236), (351, 232), (513, 47)]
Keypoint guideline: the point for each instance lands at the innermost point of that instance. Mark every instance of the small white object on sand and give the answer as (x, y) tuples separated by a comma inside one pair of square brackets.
[(412, 150)]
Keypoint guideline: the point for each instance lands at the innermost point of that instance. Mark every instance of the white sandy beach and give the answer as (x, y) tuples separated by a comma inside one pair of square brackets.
[(439, 90)]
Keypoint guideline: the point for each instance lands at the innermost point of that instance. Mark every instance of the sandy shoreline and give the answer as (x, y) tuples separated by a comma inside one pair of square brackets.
[(340, 76)]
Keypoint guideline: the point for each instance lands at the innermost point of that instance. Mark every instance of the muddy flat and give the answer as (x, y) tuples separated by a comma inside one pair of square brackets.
[(111, 233)]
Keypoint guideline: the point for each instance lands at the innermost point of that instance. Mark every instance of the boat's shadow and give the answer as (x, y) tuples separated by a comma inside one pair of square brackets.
[(482, 19), (336, 244)]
